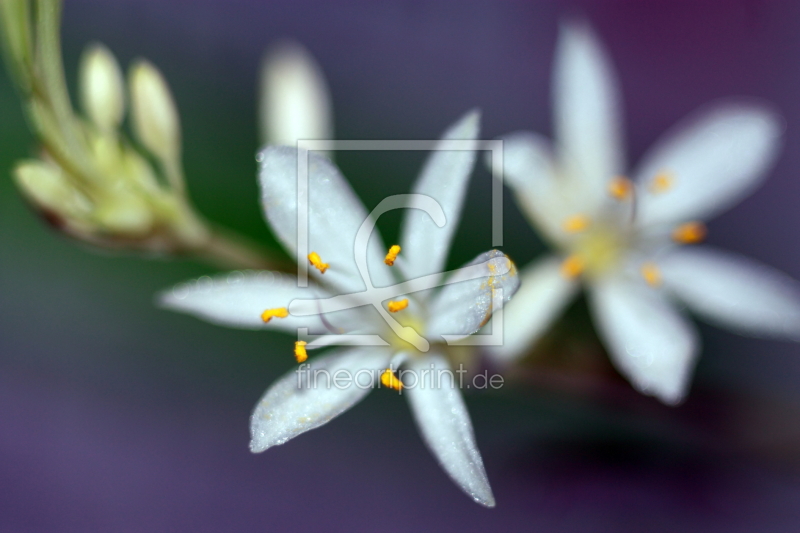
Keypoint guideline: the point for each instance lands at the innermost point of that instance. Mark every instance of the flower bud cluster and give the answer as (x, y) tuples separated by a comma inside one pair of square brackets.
[(102, 187), (91, 179)]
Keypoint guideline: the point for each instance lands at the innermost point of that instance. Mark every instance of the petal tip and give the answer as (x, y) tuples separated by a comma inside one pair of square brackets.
[(671, 398), (671, 394), (759, 114), (257, 446), (276, 155), (163, 299), (486, 498), (258, 438), (173, 298), (473, 116), (577, 30), (467, 127), (262, 154)]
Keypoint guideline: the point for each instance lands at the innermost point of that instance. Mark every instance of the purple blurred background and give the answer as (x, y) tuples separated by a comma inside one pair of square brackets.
[(115, 416)]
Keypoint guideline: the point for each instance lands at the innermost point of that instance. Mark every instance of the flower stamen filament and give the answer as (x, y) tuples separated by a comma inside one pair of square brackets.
[(397, 305), (389, 380), (300, 353), (576, 223), (316, 261), (661, 183), (620, 188), (391, 255), (269, 314), (690, 233), (651, 274), (572, 267)]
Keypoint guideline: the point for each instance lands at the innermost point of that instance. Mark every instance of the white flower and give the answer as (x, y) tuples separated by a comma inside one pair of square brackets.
[(294, 404), (622, 239)]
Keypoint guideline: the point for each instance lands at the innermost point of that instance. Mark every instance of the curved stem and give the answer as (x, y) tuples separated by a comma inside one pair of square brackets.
[(229, 250)]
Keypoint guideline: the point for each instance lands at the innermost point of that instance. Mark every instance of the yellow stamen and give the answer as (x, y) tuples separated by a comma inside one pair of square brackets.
[(317, 263), (651, 274), (391, 256), (662, 182), (388, 379), (572, 267), (576, 223), (689, 233), (269, 314), (620, 188), (300, 353), (397, 305)]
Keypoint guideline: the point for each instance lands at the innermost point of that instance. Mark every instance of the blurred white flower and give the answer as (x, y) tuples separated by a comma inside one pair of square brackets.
[(294, 100), (295, 404), (622, 238)]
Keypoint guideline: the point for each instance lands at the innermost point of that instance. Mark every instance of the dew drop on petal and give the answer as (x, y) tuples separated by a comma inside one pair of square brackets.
[(266, 276), (235, 277), (205, 283), (180, 291)]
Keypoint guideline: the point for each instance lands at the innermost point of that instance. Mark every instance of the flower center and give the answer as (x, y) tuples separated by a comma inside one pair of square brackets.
[(596, 251), (412, 327)]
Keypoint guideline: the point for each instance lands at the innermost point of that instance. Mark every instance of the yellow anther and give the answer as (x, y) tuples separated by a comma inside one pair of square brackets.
[(388, 379), (689, 233), (572, 267), (397, 305), (391, 256), (662, 182), (317, 263), (300, 353), (620, 188), (651, 274), (269, 314), (576, 223)]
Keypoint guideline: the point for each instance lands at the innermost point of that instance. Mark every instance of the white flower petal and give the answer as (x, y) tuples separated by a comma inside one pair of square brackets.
[(588, 116), (444, 422), (444, 178), (527, 162), (294, 103), (311, 396), (543, 294), (734, 291), (334, 216), (237, 299), (714, 159), (461, 308), (528, 170), (649, 341)]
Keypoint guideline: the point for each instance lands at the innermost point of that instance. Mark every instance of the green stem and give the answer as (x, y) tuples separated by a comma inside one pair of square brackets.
[(48, 41), (229, 250), (17, 47)]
